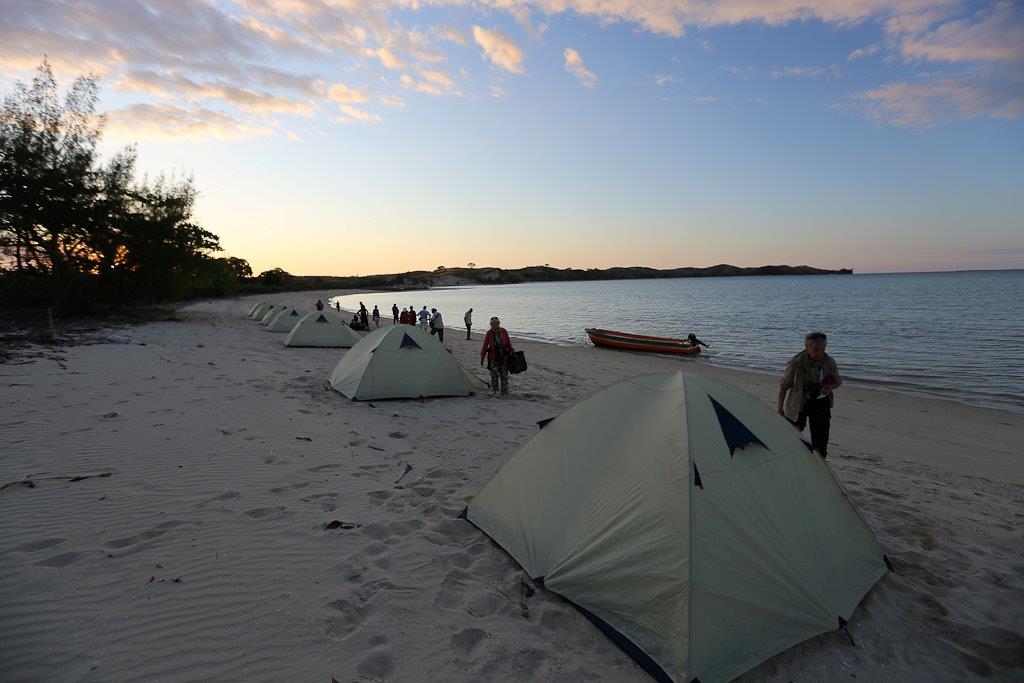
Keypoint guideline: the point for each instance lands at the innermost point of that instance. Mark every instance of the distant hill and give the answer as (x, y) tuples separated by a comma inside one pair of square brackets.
[(452, 277)]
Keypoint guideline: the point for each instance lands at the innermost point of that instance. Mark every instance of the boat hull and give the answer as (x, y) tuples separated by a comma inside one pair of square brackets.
[(639, 342)]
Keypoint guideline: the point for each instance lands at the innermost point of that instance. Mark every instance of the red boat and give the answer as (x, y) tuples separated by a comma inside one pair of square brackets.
[(640, 342)]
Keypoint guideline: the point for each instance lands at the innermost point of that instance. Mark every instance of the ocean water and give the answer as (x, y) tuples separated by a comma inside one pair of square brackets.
[(957, 335)]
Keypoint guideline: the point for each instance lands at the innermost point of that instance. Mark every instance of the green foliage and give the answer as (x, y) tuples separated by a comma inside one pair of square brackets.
[(276, 277), (73, 231)]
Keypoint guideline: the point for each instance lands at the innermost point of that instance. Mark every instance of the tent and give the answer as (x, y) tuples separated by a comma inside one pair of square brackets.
[(259, 310), (272, 313), (688, 521), (285, 320), (322, 328), (401, 361)]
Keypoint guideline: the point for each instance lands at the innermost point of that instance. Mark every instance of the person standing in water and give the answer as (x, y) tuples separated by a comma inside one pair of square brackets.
[(468, 318), (806, 391), (497, 349)]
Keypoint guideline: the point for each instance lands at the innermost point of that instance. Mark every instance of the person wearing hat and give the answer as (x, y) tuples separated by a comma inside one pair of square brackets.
[(497, 349), (806, 391)]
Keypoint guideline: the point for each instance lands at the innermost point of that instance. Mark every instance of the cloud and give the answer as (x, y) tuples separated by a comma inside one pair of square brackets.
[(798, 71), (343, 94), (393, 101), (452, 35), (932, 102), (499, 49), (661, 80), (995, 34), (174, 122), (862, 52), (575, 66), (497, 92), (260, 59), (359, 114), (388, 58), (744, 72), (419, 86), (705, 99), (175, 84), (438, 78)]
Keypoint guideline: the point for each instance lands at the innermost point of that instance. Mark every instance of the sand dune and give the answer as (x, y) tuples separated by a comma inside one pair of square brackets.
[(201, 552)]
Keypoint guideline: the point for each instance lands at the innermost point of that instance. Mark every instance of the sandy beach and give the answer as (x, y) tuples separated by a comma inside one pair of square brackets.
[(165, 500)]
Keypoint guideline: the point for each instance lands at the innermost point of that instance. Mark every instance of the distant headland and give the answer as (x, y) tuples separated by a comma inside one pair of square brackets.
[(454, 277)]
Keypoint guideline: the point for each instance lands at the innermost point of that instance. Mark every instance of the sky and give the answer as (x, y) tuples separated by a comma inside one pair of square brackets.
[(350, 137)]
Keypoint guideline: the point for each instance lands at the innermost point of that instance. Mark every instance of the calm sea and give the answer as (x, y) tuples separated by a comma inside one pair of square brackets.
[(950, 335)]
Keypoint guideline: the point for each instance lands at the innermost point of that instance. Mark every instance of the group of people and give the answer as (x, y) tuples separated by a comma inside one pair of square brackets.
[(805, 391)]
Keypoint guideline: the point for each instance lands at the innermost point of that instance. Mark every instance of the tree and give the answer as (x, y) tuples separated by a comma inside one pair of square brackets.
[(240, 268), (471, 264), (274, 277), (87, 230), (47, 173)]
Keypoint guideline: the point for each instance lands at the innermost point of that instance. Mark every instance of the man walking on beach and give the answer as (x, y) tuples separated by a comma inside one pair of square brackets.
[(394, 312), (424, 318), (497, 349), (437, 324), (469, 321), (806, 390), (376, 316)]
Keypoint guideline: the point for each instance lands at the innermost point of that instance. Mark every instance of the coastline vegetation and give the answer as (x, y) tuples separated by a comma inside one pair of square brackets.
[(82, 235)]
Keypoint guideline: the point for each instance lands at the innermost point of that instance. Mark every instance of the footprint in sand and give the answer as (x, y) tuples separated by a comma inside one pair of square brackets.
[(39, 545), (377, 665), (62, 560), (468, 647), (344, 617), (261, 513), (149, 535), (224, 496)]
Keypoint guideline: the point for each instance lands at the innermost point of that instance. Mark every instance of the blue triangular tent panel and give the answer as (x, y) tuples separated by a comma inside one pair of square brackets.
[(320, 318), (735, 432), (408, 343), (294, 312)]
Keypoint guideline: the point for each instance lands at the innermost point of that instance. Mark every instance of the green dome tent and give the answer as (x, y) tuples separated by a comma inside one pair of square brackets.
[(271, 313), (325, 329), (688, 521), (401, 361), (258, 310), (285, 320)]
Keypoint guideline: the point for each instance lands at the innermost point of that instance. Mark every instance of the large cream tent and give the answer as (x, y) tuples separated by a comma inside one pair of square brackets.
[(322, 328), (259, 310), (272, 313), (286, 319), (688, 521), (401, 361)]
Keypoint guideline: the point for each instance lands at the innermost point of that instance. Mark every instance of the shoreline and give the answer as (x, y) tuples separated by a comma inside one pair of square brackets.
[(175, 528)]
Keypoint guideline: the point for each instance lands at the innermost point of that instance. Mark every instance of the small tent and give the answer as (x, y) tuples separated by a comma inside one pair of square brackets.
[(401, 361), (271, 313), (688, 521), (286, 319), (259, 310), (324, 329)]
